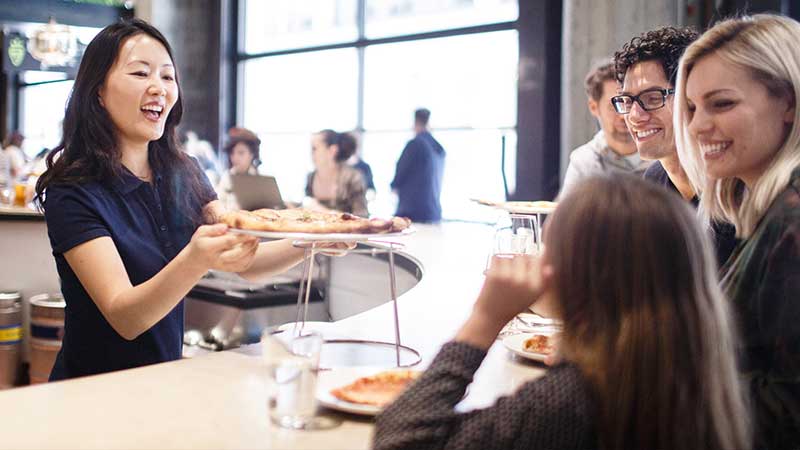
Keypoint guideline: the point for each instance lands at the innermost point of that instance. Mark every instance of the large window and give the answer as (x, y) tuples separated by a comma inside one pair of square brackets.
[(398, 17), (285, 24), (372, 85), (287, 97), (43, 101)]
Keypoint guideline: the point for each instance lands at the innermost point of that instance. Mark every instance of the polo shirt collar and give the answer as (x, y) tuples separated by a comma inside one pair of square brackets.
[(127, 182)]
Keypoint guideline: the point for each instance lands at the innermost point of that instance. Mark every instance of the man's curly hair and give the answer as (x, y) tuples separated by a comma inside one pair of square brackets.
[(665, 44)]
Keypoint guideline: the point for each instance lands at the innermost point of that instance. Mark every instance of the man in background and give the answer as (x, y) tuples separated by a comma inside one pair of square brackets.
[(612, 148), (418, 177)]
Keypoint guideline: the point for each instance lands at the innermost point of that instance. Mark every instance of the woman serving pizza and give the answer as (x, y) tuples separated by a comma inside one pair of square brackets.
[(125, 210)]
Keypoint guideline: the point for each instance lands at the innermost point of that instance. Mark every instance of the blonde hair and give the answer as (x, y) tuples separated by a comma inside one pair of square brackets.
[(765, 45), (649, 326)]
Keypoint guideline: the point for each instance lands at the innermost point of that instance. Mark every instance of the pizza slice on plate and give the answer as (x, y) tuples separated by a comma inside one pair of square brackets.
[(377, 390), (538, 343)]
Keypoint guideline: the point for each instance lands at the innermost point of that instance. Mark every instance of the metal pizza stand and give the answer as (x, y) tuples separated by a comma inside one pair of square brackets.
[(314, 244)]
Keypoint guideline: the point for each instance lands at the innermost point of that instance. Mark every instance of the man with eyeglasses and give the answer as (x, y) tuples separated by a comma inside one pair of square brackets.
[(646, 68)]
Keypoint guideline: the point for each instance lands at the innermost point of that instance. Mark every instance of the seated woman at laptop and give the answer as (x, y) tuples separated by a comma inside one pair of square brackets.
[(334, 184), (242, 149)]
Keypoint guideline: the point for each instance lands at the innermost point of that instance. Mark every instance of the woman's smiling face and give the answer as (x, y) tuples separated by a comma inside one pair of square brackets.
[(140, 90), (737, 124)]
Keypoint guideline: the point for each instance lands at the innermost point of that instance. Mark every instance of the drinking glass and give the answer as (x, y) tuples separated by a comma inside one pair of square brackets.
[(292, 364), (515, 234), (19, 195)]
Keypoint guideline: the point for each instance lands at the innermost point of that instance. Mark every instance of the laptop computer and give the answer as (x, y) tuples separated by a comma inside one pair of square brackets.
[(256, 192)]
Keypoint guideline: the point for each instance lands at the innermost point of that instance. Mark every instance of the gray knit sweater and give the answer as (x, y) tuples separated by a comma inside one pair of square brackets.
[(552, 412)]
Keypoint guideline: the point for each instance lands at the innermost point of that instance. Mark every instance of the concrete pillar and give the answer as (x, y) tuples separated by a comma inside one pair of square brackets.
[(593, 30), (192, 28)]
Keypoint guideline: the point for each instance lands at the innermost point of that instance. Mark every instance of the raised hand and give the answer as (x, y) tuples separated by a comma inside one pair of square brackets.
[(512, 284)]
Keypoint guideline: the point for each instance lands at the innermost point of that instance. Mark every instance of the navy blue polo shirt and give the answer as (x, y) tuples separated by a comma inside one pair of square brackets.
[(148, 234)]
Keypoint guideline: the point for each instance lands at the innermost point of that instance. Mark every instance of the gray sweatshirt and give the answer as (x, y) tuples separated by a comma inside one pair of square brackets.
[(595, 157)]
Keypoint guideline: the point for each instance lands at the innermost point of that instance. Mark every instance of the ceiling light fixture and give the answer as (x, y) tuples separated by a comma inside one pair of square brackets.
[(53, 45)]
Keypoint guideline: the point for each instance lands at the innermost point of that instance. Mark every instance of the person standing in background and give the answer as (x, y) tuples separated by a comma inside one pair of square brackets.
[(418, 176), (5, 176), (204, 153), (366, 172), (612, 148), (12, 147)]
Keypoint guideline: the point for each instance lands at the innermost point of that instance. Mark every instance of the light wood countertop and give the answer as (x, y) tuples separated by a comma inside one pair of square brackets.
[(219, 400)]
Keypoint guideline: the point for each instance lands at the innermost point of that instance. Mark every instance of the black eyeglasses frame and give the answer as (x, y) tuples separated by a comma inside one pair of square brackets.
[(617, 99)]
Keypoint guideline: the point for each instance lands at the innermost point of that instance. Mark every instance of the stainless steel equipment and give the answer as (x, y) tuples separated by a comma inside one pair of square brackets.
[(224, 311), (10, 337)]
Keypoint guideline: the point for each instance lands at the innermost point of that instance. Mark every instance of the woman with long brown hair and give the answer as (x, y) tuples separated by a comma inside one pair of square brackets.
[(647, 346)]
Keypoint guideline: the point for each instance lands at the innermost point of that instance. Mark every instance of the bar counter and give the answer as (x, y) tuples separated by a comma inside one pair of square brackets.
[(218, 400)]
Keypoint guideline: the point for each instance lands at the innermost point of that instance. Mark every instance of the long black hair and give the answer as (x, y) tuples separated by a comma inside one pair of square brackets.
[(89, 151)]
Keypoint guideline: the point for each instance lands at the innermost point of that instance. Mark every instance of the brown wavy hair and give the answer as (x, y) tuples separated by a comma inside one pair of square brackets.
[(644, 317), (599, 73), (665, 44), (89, 151)]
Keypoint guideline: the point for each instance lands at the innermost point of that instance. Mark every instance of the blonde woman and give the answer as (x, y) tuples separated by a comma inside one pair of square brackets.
[(648, 363), (736, 123)]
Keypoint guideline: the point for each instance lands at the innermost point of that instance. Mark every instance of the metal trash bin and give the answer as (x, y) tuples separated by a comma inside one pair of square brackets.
[(47, 330), (10, 337)]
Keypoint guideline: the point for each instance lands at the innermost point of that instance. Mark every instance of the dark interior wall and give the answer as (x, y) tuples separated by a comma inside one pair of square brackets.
[(65, 12), (538, 115), (192, 28), (715, 10)]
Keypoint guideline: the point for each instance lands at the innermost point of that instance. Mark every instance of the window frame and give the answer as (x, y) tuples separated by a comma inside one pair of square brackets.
[(359, 44)]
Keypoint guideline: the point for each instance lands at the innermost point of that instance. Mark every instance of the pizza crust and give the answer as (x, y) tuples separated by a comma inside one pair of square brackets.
[(308, 221)]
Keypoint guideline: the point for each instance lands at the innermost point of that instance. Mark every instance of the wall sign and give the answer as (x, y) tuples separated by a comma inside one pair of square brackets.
[(16, 58), (16, 51)]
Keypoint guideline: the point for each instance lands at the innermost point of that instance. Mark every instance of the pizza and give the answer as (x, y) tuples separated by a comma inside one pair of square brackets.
[(308, 221), (538, 343), (376, 390), (529, 207)]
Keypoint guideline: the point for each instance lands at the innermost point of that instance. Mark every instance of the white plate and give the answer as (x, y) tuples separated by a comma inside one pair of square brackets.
[(328, 237), (514, 343), (332, 379)]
